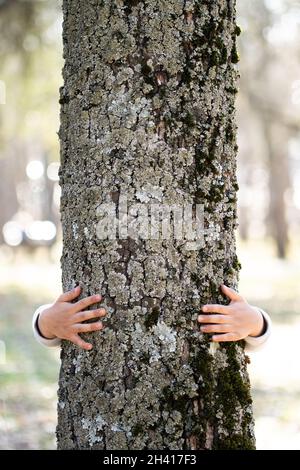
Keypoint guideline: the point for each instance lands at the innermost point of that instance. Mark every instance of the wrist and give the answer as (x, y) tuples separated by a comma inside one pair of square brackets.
[(259, 327), (42, 327)]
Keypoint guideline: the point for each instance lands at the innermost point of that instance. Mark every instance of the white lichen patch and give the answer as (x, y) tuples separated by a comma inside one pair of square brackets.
[(93, 426), (117, 427), (75, 230), (77, 362), (150, 193), (86, 233), (221, 359), (117, 288), (166, 335), (155, 354)]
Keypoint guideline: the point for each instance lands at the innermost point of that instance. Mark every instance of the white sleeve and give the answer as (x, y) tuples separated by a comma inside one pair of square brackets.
[(49, 343), (255, 343)]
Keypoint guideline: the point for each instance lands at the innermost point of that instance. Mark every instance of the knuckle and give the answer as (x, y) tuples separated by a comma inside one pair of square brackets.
[(66, 336)]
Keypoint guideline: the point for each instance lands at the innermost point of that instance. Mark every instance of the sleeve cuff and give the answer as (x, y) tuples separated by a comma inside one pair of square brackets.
[(49, 343), (255, 343)]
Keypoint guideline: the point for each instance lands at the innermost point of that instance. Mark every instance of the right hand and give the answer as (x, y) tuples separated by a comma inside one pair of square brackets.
[(64, 319)]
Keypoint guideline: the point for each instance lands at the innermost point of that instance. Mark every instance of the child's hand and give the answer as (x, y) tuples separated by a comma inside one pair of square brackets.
[(234, 321), (64, 319)]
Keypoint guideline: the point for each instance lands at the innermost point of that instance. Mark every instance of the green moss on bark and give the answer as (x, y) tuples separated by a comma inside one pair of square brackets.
[(232, 393)]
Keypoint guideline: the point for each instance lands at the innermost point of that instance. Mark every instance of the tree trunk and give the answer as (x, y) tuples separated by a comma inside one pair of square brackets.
[(148, 112), (276, 139)]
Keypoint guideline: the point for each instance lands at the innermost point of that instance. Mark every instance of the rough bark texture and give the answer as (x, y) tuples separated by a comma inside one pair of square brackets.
[(148, 101)]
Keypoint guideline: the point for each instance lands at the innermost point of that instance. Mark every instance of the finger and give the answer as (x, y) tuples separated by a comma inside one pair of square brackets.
[(79, 342), (225, 337), (224, 328), (88, 327), (212, 318), (216, 308), (89, 314), (69, 295), (86, 302), (231, 293)]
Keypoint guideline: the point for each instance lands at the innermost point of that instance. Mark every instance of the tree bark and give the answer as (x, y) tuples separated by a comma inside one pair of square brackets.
[(148, 111)]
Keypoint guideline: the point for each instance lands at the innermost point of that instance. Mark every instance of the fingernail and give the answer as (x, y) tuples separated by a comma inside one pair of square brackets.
[(204, 309)]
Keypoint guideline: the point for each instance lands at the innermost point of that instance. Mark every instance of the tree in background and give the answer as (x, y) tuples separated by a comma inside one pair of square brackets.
[(148, 111), (267, 112), (30, 65)]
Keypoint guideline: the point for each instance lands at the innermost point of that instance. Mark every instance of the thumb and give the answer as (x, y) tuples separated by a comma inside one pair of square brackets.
[(230, 293)]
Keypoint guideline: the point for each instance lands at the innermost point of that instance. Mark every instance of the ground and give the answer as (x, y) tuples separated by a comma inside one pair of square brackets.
[(29, 372)]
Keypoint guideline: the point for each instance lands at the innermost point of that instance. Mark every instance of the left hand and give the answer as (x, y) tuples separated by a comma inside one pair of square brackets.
[(234, 321)]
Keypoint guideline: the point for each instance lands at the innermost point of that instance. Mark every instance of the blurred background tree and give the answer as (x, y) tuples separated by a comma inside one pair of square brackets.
[(269, 120), (30, 57), (269, 211)]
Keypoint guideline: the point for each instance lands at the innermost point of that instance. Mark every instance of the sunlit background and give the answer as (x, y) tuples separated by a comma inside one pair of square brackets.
[(30, 234)]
